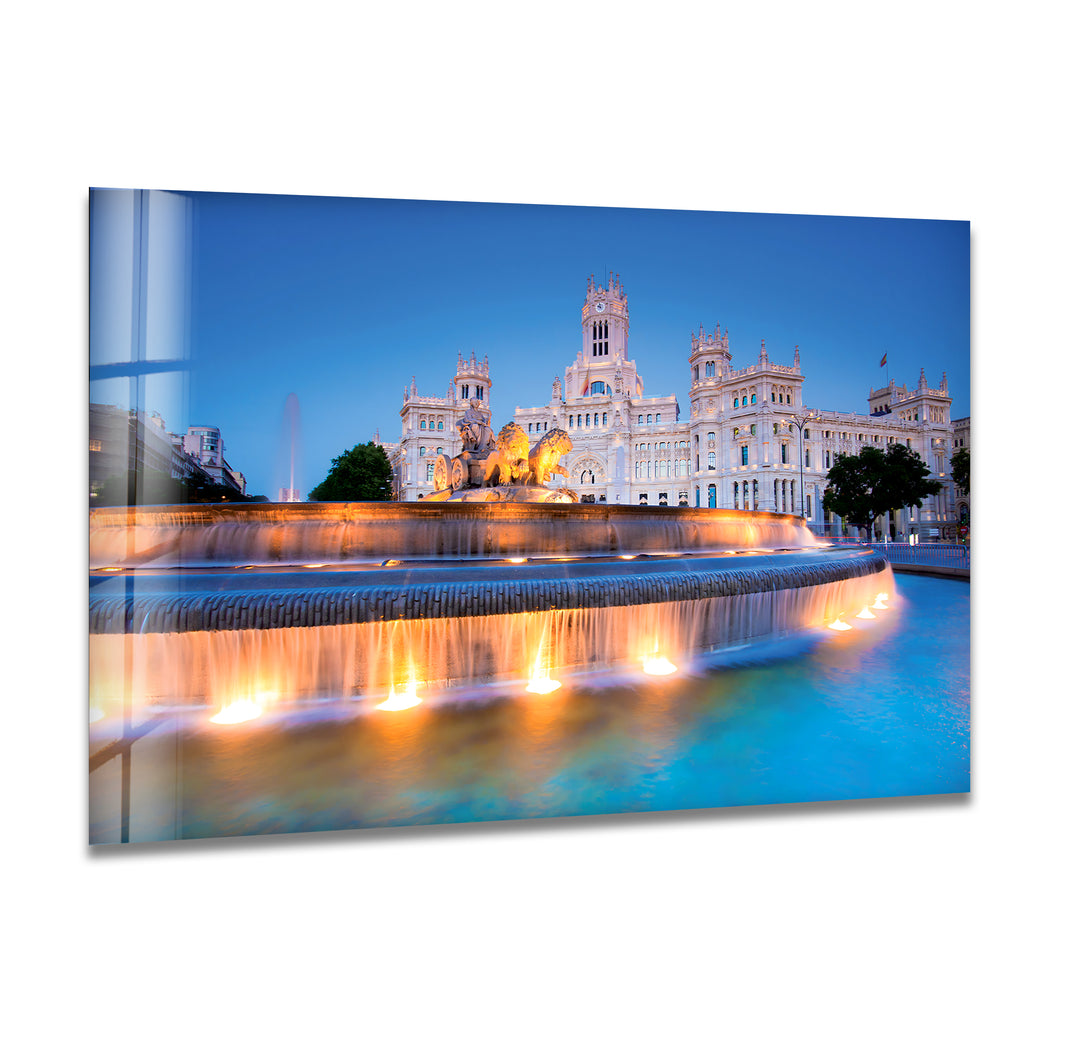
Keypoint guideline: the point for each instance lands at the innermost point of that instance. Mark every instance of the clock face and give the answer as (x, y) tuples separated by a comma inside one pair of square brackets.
[(600, 305)]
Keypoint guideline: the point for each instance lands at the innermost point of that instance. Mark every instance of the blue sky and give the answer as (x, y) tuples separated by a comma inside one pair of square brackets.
[(343, 301)]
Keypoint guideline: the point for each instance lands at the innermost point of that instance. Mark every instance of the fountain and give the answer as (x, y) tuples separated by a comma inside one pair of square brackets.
[(497, 577)]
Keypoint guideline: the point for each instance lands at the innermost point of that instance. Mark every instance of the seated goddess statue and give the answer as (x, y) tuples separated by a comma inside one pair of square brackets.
[(474, 430)]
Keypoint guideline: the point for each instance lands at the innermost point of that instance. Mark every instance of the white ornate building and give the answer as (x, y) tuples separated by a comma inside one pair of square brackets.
[(741, 447)]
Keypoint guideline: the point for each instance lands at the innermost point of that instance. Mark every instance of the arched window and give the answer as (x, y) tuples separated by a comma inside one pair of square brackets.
[(697, 496), (712, 495), (712, 461), (807, 457), (641, 420), (783, 452), (440, 425), (696, 377), (744, 400), (710, 369), (423, 425), (480, 392), (753, 399), (598, 387), (744, 455), (735, 403), (465, 391), (571, 422), (648, 418), (605, 420), (423, 450)]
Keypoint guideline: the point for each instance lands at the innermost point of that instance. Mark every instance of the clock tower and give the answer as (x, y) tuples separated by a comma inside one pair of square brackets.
[(605, 321)]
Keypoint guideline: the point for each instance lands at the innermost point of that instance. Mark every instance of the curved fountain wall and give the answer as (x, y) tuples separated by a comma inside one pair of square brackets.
[(343, 532), (411, 592)]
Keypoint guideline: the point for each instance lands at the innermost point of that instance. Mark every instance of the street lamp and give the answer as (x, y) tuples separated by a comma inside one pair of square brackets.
[(800, 423)]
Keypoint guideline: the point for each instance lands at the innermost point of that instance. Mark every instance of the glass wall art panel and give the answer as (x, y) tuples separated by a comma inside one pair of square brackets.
[(415, 512)]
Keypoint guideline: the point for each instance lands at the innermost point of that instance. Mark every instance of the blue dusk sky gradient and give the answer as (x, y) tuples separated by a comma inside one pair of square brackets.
[(343, 301)]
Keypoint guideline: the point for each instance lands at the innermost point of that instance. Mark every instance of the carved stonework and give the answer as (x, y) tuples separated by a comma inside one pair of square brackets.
[(502, 468)]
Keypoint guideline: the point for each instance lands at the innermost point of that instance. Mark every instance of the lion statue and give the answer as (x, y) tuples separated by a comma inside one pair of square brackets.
[(509, 460), (545, 456)]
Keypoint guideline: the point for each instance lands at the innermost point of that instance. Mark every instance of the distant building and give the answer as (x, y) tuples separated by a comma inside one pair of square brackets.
[(428, 427), (123, 441), (738, 448), (206, 445)]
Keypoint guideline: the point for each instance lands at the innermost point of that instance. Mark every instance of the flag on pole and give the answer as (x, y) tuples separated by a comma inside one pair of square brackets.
[(883, 360)]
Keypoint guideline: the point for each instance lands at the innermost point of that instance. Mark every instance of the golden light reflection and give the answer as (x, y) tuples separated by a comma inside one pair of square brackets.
[(627, 557), (839, 624), (658, 665), (401, 700), (880, 603), (541, 682), (238, 712), (516, 561), (865, 613)]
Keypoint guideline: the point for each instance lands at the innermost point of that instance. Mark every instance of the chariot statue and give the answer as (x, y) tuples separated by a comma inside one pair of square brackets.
[(502, 467)]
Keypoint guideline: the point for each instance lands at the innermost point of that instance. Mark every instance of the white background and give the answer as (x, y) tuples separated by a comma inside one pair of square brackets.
[(899, 920)]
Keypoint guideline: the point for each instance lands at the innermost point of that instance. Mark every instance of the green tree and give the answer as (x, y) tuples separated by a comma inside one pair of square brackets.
[(961, 470), (863, 487), (363, 473)]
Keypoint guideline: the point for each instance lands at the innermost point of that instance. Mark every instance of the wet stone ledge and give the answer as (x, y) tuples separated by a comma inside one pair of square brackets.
[(170, 612)]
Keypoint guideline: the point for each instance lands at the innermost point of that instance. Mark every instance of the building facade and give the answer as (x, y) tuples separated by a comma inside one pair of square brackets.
[(749, 442), (128, 441)]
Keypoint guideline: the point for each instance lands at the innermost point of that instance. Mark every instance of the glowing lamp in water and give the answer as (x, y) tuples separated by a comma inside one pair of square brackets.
[(238, 712), (541, 682), (880, 603), (515, 561), (543, 685), (865, 613), (839, 624), (658, 665), (401, 701)]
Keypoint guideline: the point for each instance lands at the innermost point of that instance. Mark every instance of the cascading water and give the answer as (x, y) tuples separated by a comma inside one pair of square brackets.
[(261, 603)]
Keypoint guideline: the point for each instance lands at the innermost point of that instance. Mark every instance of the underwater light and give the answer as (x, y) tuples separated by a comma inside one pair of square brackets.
[(238, 712), (658, 665), (839, 624), (543, 685), (865, 613), (402, 701)]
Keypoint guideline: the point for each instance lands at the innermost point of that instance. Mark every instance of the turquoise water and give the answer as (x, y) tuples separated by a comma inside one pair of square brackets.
[(880, 711)]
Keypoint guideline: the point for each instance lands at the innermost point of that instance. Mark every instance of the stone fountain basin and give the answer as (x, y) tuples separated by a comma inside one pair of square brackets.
[(185, 536), (245, 598)]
